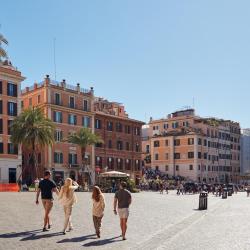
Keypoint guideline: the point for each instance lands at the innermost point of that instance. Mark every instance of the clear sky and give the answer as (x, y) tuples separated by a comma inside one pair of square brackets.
[(155, 56)]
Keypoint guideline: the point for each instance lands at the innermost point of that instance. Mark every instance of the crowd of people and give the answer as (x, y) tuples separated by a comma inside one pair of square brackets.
[(67, 198)]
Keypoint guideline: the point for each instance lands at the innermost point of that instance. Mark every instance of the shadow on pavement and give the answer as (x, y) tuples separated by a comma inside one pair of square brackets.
[(41, 236), (20, 234), (78, 239), (102, 242)]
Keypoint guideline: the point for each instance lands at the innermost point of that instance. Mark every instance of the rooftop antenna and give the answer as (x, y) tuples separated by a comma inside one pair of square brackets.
[(54, 47)]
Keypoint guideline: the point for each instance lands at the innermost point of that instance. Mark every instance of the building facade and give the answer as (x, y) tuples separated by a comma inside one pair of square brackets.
[(199, 149), (70, 108), (10, 107), (245, 152), (122, 145)]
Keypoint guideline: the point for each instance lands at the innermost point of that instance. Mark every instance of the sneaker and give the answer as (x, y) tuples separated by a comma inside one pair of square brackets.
[(71, 229), (64, 232), (49, 226), (45, 229)]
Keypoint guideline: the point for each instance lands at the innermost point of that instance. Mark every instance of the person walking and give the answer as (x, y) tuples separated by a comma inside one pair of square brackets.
[(46, 187), (67, 198), (123, 199), (98, 209), (36, 184)]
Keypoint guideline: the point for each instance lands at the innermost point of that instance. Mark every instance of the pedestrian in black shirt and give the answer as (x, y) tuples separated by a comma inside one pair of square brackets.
[(123, 199), (46, 187)]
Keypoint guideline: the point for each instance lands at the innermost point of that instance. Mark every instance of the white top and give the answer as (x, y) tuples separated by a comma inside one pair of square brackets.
[(71, 199), (98, 207)]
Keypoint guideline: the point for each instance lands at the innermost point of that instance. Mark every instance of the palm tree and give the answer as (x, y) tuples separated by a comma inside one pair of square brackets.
[(84, 138), (33, 131), (3, 53)]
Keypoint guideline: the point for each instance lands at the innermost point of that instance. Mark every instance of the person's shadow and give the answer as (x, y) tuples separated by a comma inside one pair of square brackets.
[(19, 234), (102, 242), (78, 239)]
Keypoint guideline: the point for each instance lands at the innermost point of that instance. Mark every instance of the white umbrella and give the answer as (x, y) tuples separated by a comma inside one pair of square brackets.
[(114, 174)]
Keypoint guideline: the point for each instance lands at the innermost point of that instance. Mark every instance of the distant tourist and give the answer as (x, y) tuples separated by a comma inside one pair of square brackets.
[(36, 184), (98, 209), (67, 198), (19, 183), (124, 199), (46, 187)]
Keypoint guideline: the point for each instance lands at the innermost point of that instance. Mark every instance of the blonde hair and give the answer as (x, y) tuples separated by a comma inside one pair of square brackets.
[(66, 187)]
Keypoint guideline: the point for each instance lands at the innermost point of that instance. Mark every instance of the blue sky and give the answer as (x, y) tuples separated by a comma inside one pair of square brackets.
[(153, 56)]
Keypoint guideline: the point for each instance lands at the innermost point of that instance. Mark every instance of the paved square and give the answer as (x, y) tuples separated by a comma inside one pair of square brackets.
[(156, 222)]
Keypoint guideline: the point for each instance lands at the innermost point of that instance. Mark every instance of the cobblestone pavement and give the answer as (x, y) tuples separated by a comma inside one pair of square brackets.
[(156, 222)]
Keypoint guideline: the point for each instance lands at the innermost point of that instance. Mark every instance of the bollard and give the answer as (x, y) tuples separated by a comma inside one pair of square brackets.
[(203, 201)]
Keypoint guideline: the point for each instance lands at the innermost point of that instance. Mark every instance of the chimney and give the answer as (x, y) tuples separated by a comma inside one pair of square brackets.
[(78, 88), (63, 83), (92, 91), (47, 80)]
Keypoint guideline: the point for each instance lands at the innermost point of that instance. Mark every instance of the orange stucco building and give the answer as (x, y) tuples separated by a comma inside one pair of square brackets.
[(70, 108), (199, 149), (10, 107)]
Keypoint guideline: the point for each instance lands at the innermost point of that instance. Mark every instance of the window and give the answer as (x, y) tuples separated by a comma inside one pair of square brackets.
[(175, 125), (190, 141), (137, 131), (191, 167), (58, 135), (177, 142), (72, 102), (190, 155), (199, 167), (137, 165), (1, 126), (156, 144), (98, 124), (12, 149), (85, 105), (58, 116), (72, 159), (110, 162), (1, 87), (10, 122), (199, 155), (118, 127), (38, 99), (166, 156), (119, 164), (12, 89), (177, 167), (147, 149), (177, 155), (205, 142), (12, 108), (30, 101), (72, 119), (165, 126), (127, 146), (110, 126), (156, 157), (1, 148), (58, 157), (57, 99), (205, 155), (199, 141), (110, 144), (128, 164), (119, 145), (1, 106), (166, 143), (98, 161), (166, 168), (127, 129), (137, 147), (86, 121)]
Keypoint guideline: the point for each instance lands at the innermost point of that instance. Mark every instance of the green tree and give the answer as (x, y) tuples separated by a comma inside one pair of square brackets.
[(33, 131), (3, 53), (84, 138)]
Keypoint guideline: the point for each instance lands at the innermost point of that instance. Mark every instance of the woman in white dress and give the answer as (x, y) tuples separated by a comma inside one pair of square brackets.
[(67, 198)]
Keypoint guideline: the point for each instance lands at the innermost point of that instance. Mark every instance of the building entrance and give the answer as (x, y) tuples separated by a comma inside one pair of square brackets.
[(12, 175)]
